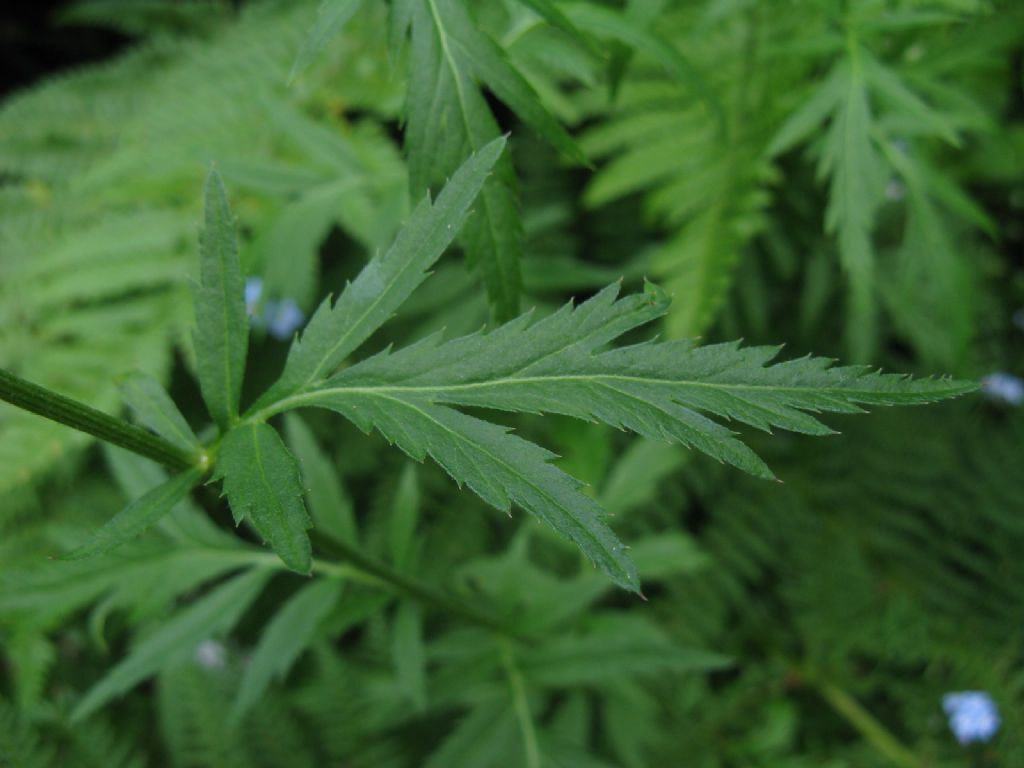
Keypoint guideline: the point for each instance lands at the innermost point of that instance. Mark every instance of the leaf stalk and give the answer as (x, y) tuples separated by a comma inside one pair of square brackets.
[(50, 405)]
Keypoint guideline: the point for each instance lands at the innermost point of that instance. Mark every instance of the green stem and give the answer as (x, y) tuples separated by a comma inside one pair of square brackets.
[(865, 723), (522, 707), (391, 579), (366, 570), (50, 405)]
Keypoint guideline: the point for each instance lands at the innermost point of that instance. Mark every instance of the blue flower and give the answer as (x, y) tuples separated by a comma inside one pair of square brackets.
[(283, 318), (280, 318), (253, 292), (973, 715), (1004, 387)]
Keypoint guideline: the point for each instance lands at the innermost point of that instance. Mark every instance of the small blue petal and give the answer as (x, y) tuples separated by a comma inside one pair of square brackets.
[(253, 291), (1004, 388), (973, 715), (284, 319)]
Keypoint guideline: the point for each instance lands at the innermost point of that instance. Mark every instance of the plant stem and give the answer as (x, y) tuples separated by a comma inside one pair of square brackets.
[(50, 405), (366, 570), (397, 582), (866, 724)]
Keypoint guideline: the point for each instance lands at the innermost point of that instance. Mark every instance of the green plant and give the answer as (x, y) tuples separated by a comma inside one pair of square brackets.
[(395, 622)]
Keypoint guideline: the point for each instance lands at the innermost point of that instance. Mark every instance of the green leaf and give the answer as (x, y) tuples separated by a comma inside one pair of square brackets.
[(635, 479), (263, 484), (138, 516), (499, 467), (214, 614), (484, 738), (283, 640), (667, 554), (329, 504), (334, 332), (222, 325), (662, 391), (154, 408), (405, 511), (331, 18), (659, 390), (858, 182), (477, 52), (442, 91), (408, 653), (550, 12), (811, 114), (623, 28), (614, 647), (888, 85)]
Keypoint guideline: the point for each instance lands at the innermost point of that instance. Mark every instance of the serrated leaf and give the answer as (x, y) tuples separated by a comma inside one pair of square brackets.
[(335, 331), (442, 91), (222, 325), (213, 614), (856, 192), (138, 516), (283, 640), (479, 54), (155, 409), (331, 18), (499, 467), (405, 512), (263, 484), (659, 390)]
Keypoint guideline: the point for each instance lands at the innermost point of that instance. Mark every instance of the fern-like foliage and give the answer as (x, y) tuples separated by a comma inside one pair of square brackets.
[(356, 607), (658, 390)]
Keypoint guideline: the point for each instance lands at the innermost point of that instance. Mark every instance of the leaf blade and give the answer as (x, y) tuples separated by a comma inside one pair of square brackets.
[(283, 639), (499, 467), (443, 91), (332, 16), (263, 483), (222, 325), (334, 332), (215, 613), (663, 391), (138, 516), (156, 410)]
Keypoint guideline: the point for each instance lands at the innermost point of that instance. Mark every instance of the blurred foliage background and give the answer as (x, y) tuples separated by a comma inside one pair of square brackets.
[(846, 177)]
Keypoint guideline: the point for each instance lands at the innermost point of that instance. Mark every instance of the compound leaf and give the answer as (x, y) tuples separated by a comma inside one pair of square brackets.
[(335, 331), (664, 390)]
